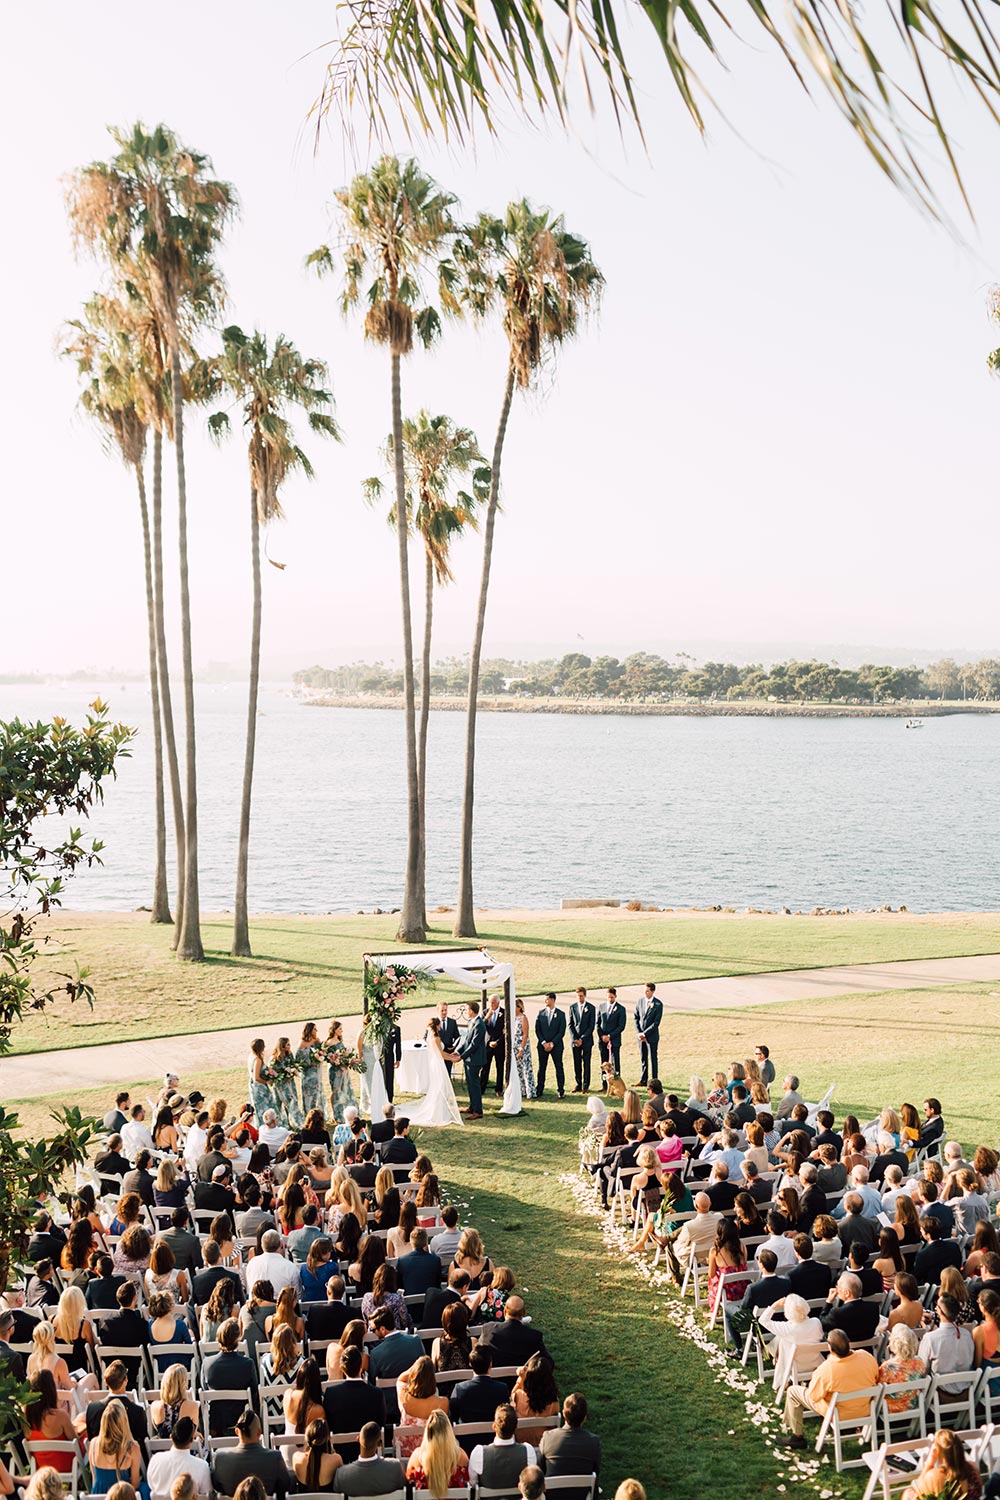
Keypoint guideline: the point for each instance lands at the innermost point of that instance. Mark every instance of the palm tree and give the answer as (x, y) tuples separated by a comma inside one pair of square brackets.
[(158, 216), (265, 381), (116, 396), (396, 220), (443, 65), (541, 280), (435, 454)]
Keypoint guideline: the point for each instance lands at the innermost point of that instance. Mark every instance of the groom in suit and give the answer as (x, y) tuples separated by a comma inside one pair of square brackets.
[(392, 1056), (448, 1032), (582, 1020), (472, 1050), (647, 1015), (550, 1029), (611, 1021)]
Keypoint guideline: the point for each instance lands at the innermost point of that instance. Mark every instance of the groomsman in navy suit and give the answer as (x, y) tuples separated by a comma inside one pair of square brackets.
[(550, 1029), (448, 1033), (648, 1014), (611, 1022), (494, 1020), (582, 1020)]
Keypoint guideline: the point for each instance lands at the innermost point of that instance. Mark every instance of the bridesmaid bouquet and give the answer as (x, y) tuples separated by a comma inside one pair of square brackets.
[(339, 1056), (281, 1070)]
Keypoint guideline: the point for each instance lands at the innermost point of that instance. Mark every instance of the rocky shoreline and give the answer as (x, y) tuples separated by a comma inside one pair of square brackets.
[(614, 707)]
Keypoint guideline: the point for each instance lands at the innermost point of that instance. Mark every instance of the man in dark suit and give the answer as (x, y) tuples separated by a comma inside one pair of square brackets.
[(610, 1025), (825, 1133), (472, 1050), (24, 1322), (846, 1310), (495, 1023), (47, 1241), (571, 1449), (754, 1184), (213, 1156), (935, 1253), (477, 1399), (205, 1281), (682, 1119), (366, 1168), (855, 1227), (217, 1196), (185, 1246), (41, 1290), (115, 1118), (351, 1402), (582, 1021), (550, 1031), (857, 1264), (140, 1179), (513, 1340), (112, 1160), (371, 1474), (771, 1288), (812, 1200), (230, 1466), (437, 1298), (400, 1151), (128, 1329), (448, 1031), (420, 1270), (721, 1193), (809, 1278), (116, 1381), (381, 1131), (9, 1358), (230, 1371), (392, 1056), (647, 1016), (932, 1129), (394, 1353), (328, 1320), (888, 1156)]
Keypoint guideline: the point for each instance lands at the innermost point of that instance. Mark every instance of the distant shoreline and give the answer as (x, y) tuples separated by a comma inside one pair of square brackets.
[(616, 708)]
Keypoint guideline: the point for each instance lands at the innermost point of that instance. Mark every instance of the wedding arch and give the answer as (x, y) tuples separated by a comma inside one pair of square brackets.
[(474, 967)]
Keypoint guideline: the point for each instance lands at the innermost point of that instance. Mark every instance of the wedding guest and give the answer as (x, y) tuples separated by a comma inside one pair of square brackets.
[(174, 1402), (452, 1349), (902, 1364), (534, 1395), (352, 1337), (909, 1309), (947, 1469), (386, 1296), (439, 1463), (416, 1398)]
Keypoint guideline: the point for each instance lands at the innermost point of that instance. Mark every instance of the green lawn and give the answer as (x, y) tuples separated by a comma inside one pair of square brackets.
[(311, 966), (663, 1413)]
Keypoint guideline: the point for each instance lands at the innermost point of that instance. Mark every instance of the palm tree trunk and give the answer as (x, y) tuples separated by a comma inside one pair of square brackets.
[(189, 945), (241, 921), (425, 713), (163, 674), (160, 910), (465, 916), (412, 928)]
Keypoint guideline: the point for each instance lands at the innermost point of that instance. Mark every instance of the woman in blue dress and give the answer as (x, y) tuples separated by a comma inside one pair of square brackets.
[(260, 1094), (312, 1088), (286, 1095), (114, 1455), (341, 1087)]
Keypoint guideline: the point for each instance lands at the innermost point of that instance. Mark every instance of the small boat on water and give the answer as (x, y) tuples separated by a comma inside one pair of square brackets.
[(914, 724)]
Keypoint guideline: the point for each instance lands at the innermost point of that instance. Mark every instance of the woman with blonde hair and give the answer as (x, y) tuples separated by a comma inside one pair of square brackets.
[(417, 1397), (320, 1169), (45, 1484), (718, 1098), (954, 1284), (756, 1150), (43, 1358), (440, 1463), (697, 1094), (175, 1401), (889, 1123), (760, 1098), (751, 1073), (488, 1304), (170, 1189), (631, 1110), (909, 1133), (282, 1360), (114, 1454), (351, 1202), (947, 1469), (72, 1326), (217, 1112), (286, 1313), (470, 1256)]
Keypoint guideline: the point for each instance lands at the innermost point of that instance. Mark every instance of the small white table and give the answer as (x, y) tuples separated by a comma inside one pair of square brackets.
[(411, 1077)]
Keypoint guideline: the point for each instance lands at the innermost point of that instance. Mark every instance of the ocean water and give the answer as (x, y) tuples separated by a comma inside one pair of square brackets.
[(680, 811)]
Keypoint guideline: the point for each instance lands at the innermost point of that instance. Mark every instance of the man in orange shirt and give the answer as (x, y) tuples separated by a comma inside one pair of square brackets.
[(842, 1371)]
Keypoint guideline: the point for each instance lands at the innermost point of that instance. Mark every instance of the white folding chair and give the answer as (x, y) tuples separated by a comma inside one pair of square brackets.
[(864, 1428), (911, 1419), (730, 1278), (71, 1477), (953, 1398)]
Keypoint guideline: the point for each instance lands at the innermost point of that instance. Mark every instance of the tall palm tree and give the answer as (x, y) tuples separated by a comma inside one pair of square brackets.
[(116, 396), (445, 65), (266, 381), (157, 215), (396, 221), (435, 454), (541, 280)]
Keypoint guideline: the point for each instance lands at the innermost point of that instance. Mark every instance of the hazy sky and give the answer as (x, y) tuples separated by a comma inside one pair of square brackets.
[(780, 428)]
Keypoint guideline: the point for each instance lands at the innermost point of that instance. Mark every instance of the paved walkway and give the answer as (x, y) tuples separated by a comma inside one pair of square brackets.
[(65, 1072)]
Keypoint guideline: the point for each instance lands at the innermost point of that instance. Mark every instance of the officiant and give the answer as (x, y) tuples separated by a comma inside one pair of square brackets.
[(449, 1031)]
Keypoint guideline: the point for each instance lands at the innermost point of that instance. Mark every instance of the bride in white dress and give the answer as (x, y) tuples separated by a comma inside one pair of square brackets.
[(439, 1105)]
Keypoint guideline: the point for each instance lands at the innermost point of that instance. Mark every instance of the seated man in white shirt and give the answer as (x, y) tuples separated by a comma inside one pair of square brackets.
[(135, 1134), (271, 1134), (196, 1141), (165, 1467), (892, 1182), (498, 1464), (778, 1241), (271, 1265)]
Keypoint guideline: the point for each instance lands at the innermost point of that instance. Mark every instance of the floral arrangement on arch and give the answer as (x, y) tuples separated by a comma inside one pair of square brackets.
[(384, 992)]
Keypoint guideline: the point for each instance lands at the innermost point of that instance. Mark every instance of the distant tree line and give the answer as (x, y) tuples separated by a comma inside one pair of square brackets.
[(643, 676)]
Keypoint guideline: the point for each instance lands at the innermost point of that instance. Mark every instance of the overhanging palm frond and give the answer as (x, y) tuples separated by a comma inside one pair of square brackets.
[(444, 65)]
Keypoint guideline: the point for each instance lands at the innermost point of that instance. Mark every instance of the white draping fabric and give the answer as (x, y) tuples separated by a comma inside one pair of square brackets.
[(479, 979)]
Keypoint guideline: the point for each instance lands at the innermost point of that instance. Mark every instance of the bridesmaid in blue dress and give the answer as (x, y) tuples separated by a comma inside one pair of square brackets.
[(310, 1083), (260, 1094), (341, 1087), (286, 1095)]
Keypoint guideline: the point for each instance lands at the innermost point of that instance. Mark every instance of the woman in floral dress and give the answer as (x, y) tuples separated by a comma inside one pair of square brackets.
[(341, 1087), (312, 1088), (522, 1050), (286, 1095), (260, 1094)]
